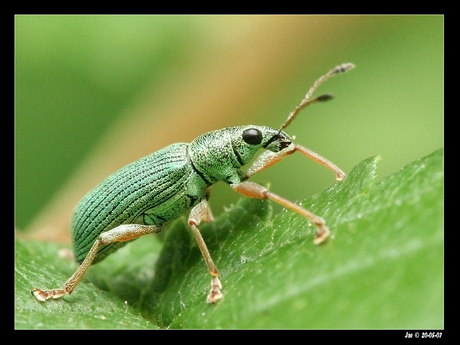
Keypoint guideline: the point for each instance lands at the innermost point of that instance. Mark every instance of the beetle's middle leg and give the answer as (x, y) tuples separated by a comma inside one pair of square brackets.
[(254, 190), (200, 213), (121, 233)]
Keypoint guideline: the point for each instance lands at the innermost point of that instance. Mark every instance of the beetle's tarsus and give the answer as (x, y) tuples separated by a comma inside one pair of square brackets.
[(322, 234), (43, 295), (215, 293)]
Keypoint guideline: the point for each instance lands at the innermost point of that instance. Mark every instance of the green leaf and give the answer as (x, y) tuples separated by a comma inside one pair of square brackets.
[(382, 267)]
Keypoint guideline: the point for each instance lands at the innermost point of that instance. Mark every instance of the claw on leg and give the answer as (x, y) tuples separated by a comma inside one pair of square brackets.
[(322, 233), (47, 294), (215, 294)]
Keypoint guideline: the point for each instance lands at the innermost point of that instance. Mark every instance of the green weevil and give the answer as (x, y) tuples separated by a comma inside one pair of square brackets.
[(142, 197)]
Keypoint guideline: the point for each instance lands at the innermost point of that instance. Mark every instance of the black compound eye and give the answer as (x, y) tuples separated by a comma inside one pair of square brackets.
[(252, 136)]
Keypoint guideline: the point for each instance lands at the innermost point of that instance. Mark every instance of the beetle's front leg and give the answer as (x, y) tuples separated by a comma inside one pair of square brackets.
[(121, 233), (254, 190), (268, 158), (197, 214)]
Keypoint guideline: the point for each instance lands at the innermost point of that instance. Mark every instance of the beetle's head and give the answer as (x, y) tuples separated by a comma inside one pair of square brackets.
[(252, 138)]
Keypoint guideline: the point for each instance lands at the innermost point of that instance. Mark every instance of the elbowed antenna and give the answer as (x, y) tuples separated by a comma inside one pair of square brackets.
[(326, 97)]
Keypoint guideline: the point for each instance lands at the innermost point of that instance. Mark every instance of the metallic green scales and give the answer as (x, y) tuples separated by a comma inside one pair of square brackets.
[(142, 197), (162, 186), (230, 151), (149, 191)]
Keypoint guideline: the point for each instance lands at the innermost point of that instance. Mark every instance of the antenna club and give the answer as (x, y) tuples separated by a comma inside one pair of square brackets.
[(325, 97), (343, 68)]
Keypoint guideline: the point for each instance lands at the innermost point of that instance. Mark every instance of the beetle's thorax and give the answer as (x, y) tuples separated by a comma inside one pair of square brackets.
[(219, 155)]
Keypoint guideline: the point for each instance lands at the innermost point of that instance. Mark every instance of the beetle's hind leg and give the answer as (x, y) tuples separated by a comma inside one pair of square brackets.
[(201, 213), (121, 233)]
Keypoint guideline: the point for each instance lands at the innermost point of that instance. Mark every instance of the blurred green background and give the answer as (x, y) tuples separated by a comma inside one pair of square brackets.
[(94, 93)]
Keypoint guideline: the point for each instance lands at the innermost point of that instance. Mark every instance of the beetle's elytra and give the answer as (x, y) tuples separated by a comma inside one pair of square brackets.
[(142, 197)]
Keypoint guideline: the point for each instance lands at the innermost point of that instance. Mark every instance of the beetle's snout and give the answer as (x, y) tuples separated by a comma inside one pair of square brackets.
[(278, 142), (285, 143)]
